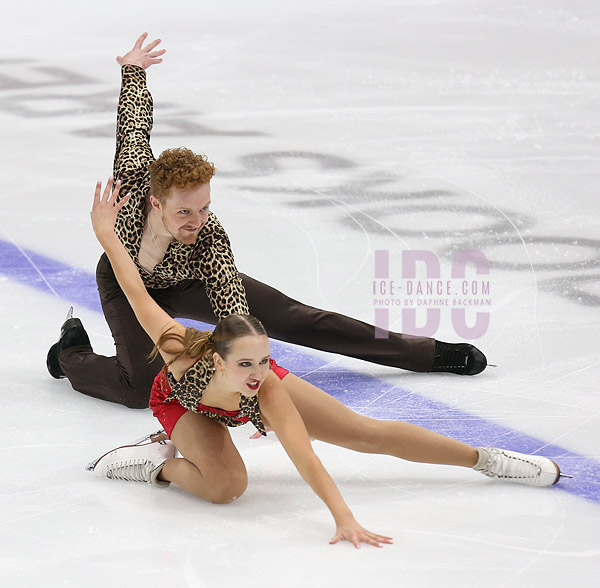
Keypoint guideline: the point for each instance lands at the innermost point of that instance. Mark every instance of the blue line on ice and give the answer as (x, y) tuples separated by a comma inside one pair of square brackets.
[(381, 399)]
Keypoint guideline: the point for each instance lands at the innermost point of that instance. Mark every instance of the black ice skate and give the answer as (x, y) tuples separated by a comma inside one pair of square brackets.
[(458, 358), (72, 334)]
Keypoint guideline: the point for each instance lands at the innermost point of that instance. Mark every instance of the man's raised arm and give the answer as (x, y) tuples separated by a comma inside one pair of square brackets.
[(134, 117)]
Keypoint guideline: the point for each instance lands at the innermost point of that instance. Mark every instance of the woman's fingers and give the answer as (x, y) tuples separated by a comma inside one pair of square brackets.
[(364, 536), (372, 541), (105, 209), (381, 538), (378, 540), (97, 196), (110, 194), (115, 192), (108, 189)]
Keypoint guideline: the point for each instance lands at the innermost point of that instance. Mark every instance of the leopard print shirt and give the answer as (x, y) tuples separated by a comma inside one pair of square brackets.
[(210, 258), (189, 394)]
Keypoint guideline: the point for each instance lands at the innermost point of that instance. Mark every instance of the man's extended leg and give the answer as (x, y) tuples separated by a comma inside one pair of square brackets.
[(289, 320)]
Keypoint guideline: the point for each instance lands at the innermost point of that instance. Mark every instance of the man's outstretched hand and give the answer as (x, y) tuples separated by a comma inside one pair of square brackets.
[(143, 56)]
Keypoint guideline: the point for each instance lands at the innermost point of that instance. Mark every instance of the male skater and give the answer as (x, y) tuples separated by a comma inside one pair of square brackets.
[(186, 263)]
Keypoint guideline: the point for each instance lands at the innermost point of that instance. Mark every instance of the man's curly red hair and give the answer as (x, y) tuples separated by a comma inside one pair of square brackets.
[(178, 168)]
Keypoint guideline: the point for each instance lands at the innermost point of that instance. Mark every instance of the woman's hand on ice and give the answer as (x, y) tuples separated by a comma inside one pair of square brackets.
[(259, 435), (356, 534)]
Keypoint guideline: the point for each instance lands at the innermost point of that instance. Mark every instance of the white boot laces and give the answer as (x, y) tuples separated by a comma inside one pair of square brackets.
[(132, 470), (501, 465)]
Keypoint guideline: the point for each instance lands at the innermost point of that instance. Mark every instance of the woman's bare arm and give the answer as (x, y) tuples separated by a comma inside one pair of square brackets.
[(154, 320), (281, 414)]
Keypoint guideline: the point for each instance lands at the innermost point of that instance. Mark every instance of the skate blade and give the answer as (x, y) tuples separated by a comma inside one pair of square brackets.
[(91, 466), (69, 315), (152, 438), (559, 474), (159, 435)]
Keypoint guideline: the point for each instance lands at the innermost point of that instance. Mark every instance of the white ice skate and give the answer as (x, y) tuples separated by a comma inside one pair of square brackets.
[(146, 439), (534, 470), (140, 462)]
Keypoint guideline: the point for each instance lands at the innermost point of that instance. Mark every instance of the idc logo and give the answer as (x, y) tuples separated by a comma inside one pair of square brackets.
[(421, 292)]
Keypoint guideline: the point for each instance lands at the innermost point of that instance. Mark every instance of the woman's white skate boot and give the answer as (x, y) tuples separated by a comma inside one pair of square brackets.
[(136, 463), (502, 464)]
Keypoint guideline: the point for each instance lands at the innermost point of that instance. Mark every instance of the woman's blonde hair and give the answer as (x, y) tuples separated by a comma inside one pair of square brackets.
[(198, 344)]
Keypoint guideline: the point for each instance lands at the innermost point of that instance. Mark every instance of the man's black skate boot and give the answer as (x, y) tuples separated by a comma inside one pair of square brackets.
[(458, 358), (72, 334)]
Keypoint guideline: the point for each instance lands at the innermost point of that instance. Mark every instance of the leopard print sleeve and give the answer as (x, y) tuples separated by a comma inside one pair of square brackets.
[(189, 389), (134, 124), (222, 281), (133, 153)]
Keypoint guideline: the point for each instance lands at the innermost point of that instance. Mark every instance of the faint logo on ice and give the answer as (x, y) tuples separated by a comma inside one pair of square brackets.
[(33, 90), (422, 291), (383, 202)]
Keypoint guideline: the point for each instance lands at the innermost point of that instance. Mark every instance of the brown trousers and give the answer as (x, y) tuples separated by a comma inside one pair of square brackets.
[(127, 377)]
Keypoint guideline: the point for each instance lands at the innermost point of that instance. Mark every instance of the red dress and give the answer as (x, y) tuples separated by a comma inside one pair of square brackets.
[(168, 412)]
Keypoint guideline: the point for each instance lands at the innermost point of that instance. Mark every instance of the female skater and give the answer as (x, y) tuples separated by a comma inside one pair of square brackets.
[(228, 378)]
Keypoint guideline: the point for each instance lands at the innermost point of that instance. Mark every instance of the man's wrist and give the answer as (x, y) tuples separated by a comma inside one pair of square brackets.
[(133, 69)]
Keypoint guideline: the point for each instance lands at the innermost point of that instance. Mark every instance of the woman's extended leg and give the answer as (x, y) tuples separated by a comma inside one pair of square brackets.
[(211, 466), (329, 420)]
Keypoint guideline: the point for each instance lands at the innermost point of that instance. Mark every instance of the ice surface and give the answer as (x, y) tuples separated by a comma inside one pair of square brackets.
[(338, 129)]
